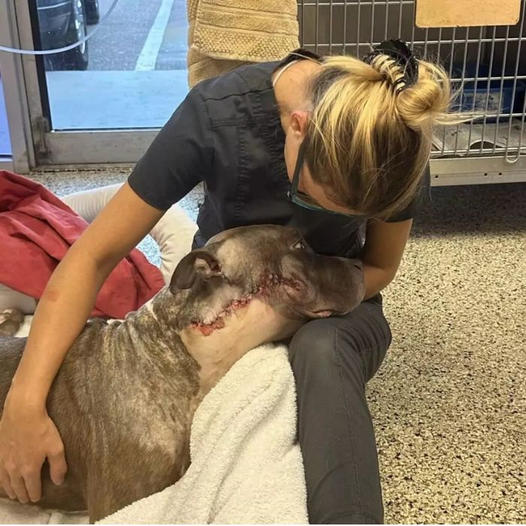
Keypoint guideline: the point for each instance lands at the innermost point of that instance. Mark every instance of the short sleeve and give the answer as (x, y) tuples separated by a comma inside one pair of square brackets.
[(178, 158), (412, 209)]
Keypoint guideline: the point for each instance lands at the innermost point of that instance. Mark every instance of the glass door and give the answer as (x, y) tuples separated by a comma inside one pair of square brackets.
[(102, 101)]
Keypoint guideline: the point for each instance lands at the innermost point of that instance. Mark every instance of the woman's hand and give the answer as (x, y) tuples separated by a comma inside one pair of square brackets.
[(27, 437)]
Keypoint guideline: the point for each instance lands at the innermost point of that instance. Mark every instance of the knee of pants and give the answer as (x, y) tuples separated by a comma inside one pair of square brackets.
[(321, 344), (313, 348), (314, 340)]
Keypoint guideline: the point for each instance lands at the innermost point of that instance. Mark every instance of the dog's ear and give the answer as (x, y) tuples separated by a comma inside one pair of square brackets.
[(198, 264)]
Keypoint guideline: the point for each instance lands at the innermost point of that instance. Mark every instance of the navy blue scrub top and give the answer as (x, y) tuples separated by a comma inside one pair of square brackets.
[(227, 133)]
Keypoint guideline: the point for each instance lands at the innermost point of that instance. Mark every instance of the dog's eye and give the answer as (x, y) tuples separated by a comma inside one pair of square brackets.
[(299, 245)]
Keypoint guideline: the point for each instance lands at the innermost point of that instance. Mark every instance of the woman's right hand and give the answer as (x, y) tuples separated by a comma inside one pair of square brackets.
[(28, 437)]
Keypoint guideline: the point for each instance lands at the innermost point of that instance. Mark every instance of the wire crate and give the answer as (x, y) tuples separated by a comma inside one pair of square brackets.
[(485, 64)]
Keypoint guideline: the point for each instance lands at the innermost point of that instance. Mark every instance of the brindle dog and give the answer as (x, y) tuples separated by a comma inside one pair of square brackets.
[(124, 398)]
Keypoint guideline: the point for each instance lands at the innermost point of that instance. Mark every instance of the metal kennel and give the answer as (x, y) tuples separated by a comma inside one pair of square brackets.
[(485, 64)]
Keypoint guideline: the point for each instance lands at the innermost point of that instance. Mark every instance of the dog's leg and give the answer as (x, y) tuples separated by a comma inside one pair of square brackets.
[(61, 497), (110, 493), (64, 497), (10, 321), (130, 479), (104, 500)]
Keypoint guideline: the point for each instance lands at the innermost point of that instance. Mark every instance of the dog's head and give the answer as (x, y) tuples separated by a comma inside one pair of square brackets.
[(268, 262)]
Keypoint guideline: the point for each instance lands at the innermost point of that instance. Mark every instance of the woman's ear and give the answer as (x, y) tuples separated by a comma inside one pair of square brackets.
[(299, 120)]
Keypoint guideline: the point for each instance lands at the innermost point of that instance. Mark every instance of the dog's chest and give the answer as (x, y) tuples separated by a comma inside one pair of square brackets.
[(136, 393)]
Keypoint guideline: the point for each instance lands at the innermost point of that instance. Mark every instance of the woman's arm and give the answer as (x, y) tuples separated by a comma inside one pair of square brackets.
[(173, 233), (27, 436), (382, 253)]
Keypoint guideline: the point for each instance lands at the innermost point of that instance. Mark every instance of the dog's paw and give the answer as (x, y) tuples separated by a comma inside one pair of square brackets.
[(10, 322)]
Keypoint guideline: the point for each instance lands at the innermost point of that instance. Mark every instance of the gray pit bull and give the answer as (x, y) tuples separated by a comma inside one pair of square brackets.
[(124, 398)]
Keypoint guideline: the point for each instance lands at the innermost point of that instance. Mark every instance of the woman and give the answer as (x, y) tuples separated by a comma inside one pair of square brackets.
[(353, 138)]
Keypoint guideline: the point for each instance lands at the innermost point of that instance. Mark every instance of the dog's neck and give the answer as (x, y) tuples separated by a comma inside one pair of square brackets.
[(247, 328), (216, 351)]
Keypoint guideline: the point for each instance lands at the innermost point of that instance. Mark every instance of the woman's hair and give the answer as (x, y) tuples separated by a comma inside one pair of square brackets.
[(369, 137)]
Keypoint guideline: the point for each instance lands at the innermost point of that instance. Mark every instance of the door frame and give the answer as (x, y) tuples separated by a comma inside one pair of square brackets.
[(11, 68), (45, 147)]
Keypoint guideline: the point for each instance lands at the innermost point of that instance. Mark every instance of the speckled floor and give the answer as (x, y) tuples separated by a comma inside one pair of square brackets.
[(449, 402)]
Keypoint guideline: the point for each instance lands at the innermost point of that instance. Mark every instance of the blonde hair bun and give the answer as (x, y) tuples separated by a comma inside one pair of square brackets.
[(369, 136), (426, 103)]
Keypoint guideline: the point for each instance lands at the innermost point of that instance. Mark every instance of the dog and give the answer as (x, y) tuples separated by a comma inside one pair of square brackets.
[(124, 398)]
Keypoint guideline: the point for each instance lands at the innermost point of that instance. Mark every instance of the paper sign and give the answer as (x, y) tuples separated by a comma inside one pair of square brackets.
[(450, 13)]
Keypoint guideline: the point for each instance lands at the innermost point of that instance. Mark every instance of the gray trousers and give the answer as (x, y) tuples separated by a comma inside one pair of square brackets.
[(332, 360)]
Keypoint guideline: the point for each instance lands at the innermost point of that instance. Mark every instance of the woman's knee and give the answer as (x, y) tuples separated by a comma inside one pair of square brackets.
[(314, 341), (313, 353), (368, 334), (357, 342)]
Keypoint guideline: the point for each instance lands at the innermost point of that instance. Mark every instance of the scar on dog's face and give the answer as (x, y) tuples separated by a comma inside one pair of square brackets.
[(273, 263)]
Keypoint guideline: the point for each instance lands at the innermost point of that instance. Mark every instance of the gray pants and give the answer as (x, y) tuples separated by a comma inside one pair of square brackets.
[(332, 360)]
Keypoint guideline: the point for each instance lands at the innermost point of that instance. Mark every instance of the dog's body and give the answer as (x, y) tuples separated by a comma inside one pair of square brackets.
[(124, 398)]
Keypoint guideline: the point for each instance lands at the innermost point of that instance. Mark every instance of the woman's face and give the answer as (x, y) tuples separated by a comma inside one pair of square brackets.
[(293, 139)]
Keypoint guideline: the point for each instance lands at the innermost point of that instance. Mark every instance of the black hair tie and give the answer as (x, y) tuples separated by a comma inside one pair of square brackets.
[(399, 51)]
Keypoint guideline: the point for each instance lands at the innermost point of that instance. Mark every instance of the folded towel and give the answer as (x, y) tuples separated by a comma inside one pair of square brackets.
[(224, 34), (37, 229), (246, 464)]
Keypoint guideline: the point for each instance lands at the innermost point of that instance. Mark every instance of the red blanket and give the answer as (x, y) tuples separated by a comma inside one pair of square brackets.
[(36, 230)]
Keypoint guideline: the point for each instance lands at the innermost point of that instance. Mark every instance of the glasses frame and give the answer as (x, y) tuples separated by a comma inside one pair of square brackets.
[(301, 198)]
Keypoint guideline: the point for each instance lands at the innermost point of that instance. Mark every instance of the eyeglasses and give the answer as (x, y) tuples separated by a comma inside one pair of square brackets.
[(301, 198)]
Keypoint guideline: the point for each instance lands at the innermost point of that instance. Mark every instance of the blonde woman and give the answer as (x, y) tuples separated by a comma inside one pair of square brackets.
[(337, 147)]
